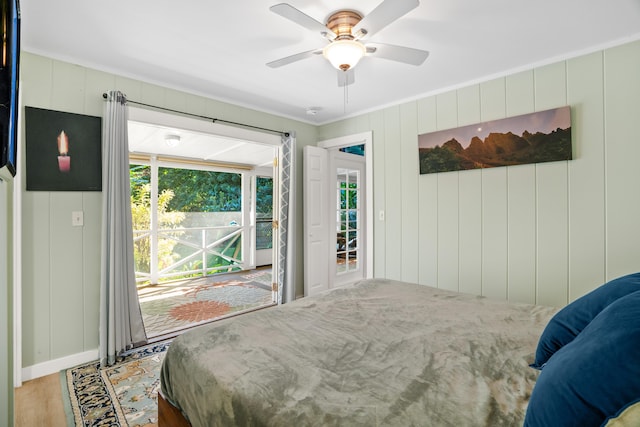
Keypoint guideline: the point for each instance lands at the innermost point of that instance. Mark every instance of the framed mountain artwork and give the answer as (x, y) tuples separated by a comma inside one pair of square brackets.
[(543, 136)]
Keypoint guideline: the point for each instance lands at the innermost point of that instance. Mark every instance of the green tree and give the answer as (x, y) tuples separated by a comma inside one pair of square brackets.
[(141, 221), (201, 191), (264, 197)]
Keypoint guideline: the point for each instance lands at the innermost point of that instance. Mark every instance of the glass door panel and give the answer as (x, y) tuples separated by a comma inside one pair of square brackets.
[(348, 216)]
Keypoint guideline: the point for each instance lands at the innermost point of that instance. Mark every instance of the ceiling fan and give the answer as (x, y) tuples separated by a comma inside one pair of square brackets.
[(346, 30)]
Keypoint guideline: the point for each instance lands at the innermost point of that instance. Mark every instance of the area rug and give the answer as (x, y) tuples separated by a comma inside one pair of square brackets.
[(168, 308), (125, 394)]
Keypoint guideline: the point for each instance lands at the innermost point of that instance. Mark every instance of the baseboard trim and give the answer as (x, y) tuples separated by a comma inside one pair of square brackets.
[(52, 366)]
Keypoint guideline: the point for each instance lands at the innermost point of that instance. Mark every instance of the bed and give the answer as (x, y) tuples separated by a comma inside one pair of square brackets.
[(376, 353)]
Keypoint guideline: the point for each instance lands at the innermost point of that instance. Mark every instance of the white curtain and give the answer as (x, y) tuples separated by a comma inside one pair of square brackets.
[(286, 220), (121, 324)]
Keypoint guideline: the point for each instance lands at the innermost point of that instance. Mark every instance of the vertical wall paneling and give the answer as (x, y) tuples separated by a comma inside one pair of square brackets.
[(343, 127), (470, 231), (521, 200), (468, 105), (97, 83), (66, 249), (447, 201), (36, 280), (550, 86), (409, 183), (428, 232), (151, 94), (427, 115), (552, 248), (521, 232), (585, 210), (622, 111), (519, 94), (131, 88), (61, 283), (448, 210), (585, 90), (214, 108), (196, 105), (66, 252), (494, 233), (492, 100), (548, 232), (37, 74), (470, 203), (393, 193), (362, 124), (68, 88), (494, 201), (91, 233), (552, 195), (379, 199), (6, 304), (175, 100), (446, 111), (427, 203)]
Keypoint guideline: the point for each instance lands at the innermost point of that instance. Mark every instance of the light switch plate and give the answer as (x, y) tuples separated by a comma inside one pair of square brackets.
[(77, 218)]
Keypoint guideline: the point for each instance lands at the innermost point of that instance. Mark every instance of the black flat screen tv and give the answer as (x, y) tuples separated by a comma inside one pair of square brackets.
[(9, 62)]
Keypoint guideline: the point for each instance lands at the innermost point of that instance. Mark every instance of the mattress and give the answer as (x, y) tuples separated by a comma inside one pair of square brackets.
[(376, 353)]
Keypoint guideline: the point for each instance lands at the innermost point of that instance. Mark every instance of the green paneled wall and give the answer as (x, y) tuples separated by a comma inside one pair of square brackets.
[(61, 272), (6, 299), (545, 233)]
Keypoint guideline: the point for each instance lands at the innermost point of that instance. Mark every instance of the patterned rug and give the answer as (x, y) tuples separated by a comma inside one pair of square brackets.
[(125, 394), (167, 308)]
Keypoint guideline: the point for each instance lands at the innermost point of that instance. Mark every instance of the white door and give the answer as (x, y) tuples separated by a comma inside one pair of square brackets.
[(316, 220), (334, 219)]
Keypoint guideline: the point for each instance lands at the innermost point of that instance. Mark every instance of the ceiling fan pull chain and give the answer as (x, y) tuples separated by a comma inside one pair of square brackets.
[(346, 96)]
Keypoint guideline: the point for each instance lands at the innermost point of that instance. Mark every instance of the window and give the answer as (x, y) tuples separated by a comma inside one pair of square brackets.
[(347, 221)]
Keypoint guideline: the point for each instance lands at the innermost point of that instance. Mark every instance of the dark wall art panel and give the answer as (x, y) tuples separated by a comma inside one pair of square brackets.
[(63, 151), (544, 136)]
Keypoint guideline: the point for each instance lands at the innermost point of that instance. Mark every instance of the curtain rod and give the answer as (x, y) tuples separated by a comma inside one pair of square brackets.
[(213, 119)]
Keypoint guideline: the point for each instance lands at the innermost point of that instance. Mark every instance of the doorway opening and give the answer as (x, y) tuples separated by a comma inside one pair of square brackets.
[(338, 238), (202, 215)]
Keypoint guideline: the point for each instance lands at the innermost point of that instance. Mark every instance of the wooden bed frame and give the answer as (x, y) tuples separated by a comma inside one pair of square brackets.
[(169, 415)]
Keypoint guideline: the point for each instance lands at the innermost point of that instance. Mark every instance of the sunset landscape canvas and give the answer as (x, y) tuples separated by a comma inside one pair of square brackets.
[(543, 136)]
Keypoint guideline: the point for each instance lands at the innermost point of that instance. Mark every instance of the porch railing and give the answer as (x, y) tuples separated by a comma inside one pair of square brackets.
[(179, 253)]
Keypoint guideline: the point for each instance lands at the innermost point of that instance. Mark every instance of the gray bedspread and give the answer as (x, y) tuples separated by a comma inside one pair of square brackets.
[(378, 353)]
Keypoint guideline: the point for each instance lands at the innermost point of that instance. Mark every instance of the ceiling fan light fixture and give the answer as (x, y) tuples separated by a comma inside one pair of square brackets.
[(344, 54)]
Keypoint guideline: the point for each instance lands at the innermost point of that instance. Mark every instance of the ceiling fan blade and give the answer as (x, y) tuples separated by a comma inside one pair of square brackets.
[(384, 14), (293, 58), (346, 78), (408, 55), (291, 13)]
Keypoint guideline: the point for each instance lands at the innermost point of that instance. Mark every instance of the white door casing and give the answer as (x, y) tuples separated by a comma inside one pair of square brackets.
[(366, 139), (319, 220)]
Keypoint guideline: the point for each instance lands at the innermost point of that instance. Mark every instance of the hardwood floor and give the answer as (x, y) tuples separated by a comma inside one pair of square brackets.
[(39, 403)]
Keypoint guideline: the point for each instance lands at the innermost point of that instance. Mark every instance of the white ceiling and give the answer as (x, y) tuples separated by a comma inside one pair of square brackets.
[(219, 48), (146, 138)]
